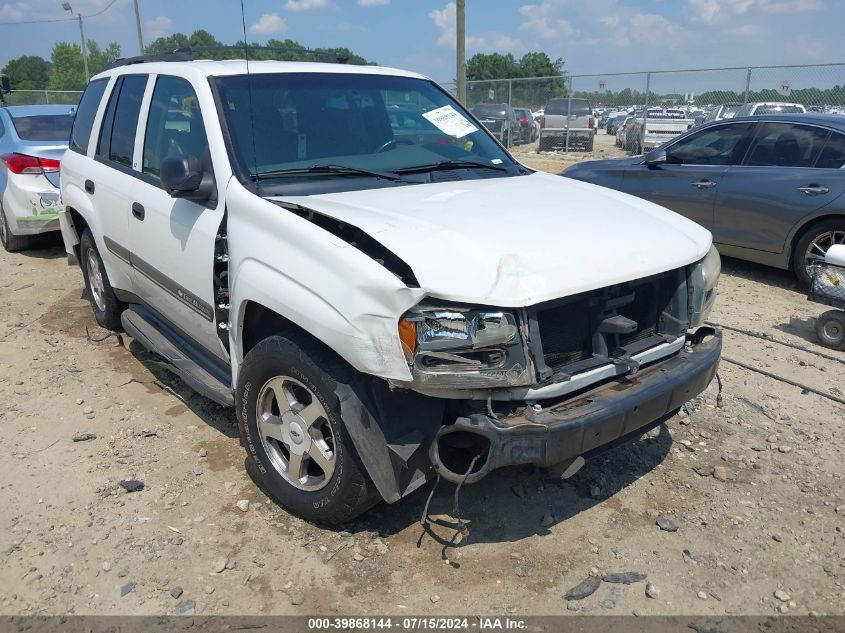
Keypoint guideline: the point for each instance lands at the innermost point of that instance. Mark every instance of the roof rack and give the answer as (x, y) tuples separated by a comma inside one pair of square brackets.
[(187, 54)]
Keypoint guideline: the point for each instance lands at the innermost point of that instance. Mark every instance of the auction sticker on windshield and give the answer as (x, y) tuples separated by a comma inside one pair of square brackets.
[(450, 121)]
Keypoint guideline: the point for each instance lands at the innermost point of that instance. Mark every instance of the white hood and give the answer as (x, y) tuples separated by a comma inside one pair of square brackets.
[(514, 242)]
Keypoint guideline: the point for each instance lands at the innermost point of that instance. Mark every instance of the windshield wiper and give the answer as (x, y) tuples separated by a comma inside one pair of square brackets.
[(345, 170), (451, 164)]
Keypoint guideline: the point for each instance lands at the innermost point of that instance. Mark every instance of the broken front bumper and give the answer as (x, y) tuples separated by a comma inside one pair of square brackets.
[(593, 420)]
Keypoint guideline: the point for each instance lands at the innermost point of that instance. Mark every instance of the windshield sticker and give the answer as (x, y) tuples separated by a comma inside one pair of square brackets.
[(496, 161), (450, 121)]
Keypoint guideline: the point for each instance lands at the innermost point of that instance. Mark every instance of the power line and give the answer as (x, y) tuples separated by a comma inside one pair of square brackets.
[(84, 17)]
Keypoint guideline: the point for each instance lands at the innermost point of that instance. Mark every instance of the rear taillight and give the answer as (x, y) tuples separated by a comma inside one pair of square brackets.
[(23, 164), (523, 121), (542, 122), (592, 123)]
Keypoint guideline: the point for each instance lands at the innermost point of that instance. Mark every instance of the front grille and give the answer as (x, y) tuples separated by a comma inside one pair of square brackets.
[(569, 329)]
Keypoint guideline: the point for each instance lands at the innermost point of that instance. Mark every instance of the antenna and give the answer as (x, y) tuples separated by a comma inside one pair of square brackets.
[(249, 91)]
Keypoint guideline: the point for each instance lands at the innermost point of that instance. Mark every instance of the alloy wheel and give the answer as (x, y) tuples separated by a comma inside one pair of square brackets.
[(95, 279), (296, 433), (819, 246)]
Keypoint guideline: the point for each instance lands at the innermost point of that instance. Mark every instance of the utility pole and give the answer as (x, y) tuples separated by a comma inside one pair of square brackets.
[(138, 27), (461, 65), (66, 6)]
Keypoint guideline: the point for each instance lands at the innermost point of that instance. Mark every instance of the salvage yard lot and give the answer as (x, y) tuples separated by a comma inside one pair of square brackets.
[(770, 518)]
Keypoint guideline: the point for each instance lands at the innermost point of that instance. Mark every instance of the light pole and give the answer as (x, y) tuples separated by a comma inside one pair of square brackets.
[(138, 27), (66, 6), (460, 45)]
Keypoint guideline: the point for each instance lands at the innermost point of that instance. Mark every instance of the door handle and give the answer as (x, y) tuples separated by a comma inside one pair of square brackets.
[(89, 186), (813, 190), (138, 210), (703, 184)]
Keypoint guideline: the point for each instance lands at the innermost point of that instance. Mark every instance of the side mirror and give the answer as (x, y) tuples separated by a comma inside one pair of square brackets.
[(5, 85), (182, 176), (655, 157)]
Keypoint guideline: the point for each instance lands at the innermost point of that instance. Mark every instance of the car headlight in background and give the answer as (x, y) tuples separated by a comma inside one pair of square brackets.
[(704, 278), (463, 347)]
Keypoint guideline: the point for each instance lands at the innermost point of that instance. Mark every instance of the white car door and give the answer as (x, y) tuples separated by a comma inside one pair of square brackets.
[(173, 239)]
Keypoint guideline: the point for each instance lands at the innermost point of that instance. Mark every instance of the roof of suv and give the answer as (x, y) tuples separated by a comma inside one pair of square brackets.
[(213, 68)]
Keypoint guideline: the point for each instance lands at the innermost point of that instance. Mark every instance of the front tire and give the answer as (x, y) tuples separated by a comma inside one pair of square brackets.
[(830, 329), (105, 304), (297, 444), (12, 243), (811, 248)]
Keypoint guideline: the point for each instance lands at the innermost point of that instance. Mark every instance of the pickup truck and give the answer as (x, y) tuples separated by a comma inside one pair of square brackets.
[(660, 125)]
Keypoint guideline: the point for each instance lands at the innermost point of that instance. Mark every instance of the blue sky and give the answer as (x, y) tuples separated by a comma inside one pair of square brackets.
[(592, 36)]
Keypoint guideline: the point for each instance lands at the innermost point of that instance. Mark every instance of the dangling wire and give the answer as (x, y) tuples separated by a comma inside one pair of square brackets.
[(456, 509), (424, 516)]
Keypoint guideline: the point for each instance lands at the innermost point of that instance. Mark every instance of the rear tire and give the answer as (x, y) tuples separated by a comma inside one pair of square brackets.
[(812, 246), (289, 413), (830, 329), (12, 243), (590, 145), (104, 303)]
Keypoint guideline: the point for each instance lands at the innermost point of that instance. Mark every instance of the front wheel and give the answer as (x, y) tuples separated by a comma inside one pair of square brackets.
[(296, 441), (830, 329), (812, 247)]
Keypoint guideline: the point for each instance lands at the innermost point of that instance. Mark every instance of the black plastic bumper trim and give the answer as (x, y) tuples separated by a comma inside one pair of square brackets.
[(596, 419)]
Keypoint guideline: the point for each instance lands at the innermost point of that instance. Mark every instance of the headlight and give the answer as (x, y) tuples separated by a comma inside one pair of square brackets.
[(463, 347), (703, 280)]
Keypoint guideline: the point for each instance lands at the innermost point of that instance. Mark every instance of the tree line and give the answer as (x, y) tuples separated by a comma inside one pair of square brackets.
[(65, 69)]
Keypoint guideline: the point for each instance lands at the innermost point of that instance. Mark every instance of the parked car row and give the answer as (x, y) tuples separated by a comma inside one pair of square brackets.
[(342, 273), (769, 187)]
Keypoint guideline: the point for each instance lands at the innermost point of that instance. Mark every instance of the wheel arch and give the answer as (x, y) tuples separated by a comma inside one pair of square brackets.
[(805, 225)]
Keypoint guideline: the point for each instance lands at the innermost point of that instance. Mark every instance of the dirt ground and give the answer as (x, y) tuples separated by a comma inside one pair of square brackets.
[(769, 519)]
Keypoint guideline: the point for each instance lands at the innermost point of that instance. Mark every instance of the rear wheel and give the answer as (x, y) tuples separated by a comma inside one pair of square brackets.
[(830, 329), (590, 145), (812, 247), (12, 243), (297, 444), (107, 308)]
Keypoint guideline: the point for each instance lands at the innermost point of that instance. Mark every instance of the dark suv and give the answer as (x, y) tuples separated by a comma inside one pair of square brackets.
[(501, 120)]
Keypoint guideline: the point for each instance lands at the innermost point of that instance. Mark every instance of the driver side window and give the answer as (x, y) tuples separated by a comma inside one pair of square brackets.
[(721, 145), (174, 125)]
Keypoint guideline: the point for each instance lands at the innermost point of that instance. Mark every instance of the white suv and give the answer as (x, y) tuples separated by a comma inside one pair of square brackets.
[(349, 259)]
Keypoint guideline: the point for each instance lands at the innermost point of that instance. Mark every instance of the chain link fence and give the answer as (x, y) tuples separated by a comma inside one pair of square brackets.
[(41, 97), (819, 88)]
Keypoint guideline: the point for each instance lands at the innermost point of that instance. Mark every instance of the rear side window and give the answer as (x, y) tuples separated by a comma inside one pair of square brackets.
[(833, 154), (580, 107), (126, 119), (85, 113), (787, 145)]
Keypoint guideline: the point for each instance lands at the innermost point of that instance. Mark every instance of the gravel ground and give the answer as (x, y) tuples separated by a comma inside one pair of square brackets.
[(751, 493)]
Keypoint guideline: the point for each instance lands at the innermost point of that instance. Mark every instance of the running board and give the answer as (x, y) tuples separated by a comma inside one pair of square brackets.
[(180, 356)]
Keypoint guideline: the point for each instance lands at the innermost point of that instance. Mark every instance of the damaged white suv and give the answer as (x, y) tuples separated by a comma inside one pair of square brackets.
[(382, 292)]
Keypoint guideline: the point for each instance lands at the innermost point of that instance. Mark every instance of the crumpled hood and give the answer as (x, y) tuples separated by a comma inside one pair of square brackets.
[(514, 242)]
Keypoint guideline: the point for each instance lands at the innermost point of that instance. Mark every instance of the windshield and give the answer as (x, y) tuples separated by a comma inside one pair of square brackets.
[(366, 122), (44, 127), (779, 109)]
